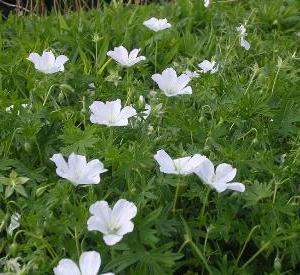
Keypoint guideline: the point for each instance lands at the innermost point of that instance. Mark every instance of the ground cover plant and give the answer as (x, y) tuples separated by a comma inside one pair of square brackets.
[(163, 214)]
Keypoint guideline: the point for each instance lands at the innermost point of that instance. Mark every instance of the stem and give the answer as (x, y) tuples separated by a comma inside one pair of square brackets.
[(46, 98), (183, 245), (246, 242), (155, 62), (39, 150), (199, 253), (11, 140), (76, 241), (251, 80), (96, 54), (256, 254), (127, 87), (84, 111), (176, 195), (275, 79), (205, 241), (204, 205)]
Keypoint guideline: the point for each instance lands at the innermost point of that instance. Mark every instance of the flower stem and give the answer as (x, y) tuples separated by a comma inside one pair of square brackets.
[(204, 206), (48, 93), (256, 254), (176, 195), (155, 62), (199, 253), (76, 237)]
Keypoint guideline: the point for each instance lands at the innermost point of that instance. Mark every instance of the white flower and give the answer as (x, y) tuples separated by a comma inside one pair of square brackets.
[(219, 179), (89, 264), (47, 63), (208, 66), (172, 85), (11, 107), (191, 74), (206, 3), (244, 43), (14, 223), (113, 223), (180, 166), (156, 25), (147, 111), (77, 170), (147, 108), (121, 55), (111, 113)]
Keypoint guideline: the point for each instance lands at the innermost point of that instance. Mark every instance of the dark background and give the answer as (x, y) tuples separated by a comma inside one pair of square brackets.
[(44, 6)]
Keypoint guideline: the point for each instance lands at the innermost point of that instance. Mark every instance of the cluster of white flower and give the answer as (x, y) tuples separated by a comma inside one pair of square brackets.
[(116, 222)]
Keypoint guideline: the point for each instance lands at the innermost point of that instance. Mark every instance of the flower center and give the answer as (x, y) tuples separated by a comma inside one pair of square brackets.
[(113, 227)]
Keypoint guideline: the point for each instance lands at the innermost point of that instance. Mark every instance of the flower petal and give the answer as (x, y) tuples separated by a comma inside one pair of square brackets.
[(186, 91), (62, 169), (101, 218), (244, 43), (166, 163), (126, 113), (48, 58), (89, 263), (123, 211), (125, 228), (101, 209), (60, 61), (95, 223), (76, 162), (99, 112), (183, 80), (219, 187), (134, 53), (236, 186), (225, 173), (66, 267), (194, 162), (34, 58), (205, 171), (205, 65), (112, 239)]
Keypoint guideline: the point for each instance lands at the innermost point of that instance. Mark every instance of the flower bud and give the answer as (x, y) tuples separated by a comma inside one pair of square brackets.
[(27, 146), (254, 141), (201, 119), (277, 264), (13, 249), (61, 96)]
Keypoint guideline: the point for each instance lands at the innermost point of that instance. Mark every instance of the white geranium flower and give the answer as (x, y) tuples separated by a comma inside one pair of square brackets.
[(111, 113), (172, 85), (208, 66), (11, 107), (121, 55), (113, 223), (219, 179), (47, 63), (14, 223), (147, 108), (244, 43), (180, 166), (77, 170), (156, 25), (206, 3), (89, 264), (147, 111), (191, 74)]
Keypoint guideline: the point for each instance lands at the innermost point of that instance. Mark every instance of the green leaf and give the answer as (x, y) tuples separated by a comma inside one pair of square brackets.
[(9, 191), (21, 190)]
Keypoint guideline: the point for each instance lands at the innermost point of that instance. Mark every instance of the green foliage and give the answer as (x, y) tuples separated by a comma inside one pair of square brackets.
[(246, 115)]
